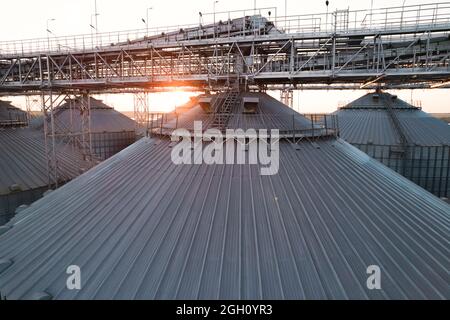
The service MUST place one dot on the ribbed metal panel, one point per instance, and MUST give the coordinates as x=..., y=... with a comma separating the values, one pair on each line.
x=23, y=166
x=424, y=158
x=111, y=130
x=103, y=117
x=10, y=114
x=373, y=126
x=270, y=114
x=107, y=144
x=141, y=227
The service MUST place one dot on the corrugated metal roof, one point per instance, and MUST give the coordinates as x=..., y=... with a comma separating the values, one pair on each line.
x=141, y=227
x=23, y=161
x=362, y=124
x=103, y=117
x=270, y=114
x=375, y=101
x=8, y=112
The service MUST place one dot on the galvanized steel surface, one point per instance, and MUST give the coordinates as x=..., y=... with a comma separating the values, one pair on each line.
x=23, y=168
x=270, y=114
x=103, y=117
x=11, y=115
x=141, y=227
x=365, y=121
x=23, y=161
x=424, y=158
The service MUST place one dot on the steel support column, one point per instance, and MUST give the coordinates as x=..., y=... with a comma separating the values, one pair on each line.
x=287, y=97
x=33, y=104
x=86, y=136
x=141, y=111
x=58, y=135
x=49, y=101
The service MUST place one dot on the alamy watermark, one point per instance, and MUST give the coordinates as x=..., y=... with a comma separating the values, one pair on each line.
x=236, y=146
x=374, y=279
x=73, y=281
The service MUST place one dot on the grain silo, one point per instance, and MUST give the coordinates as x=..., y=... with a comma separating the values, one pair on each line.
x=11, y=116
x=111, y=131
x=23, y=168
x=140, y=226
x=401, y=136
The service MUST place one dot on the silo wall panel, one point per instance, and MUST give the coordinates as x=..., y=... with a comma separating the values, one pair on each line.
x=427, y=166
x=107, y=144
x=10, y=202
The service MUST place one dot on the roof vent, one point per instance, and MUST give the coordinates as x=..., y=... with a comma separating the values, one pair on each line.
x=394, y=97
x=250, y=104
x=42, y=295
x=205, y=103
x=19, y=209
x=3, y=229
x=5, y=264
x=15, y=188
x=46, y=193
x=375, y=96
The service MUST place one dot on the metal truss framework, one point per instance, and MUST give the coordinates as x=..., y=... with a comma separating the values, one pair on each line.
x=340, y=59
x=393, y=53
x=287, y=97
x=59, y=136
x=141, y=110
x=33, y=105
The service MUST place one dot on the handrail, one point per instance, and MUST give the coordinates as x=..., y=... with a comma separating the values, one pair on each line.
x=411, y=17
x=289, y=125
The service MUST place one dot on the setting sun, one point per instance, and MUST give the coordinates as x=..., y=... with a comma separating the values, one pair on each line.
x=168, y=101
x=158, y=102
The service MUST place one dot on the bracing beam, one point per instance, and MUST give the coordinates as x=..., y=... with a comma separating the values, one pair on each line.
x=60, y=136
x=141, y=111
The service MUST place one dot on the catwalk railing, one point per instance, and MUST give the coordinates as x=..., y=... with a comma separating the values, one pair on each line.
x=260, y=50
x=295, y=127
x=244, y=23
x=14, y=120
x=427, y=166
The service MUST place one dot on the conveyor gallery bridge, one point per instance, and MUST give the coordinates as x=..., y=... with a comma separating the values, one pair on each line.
x=400, y=47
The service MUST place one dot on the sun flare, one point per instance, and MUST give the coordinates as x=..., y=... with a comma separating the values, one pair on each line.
x=168, y=101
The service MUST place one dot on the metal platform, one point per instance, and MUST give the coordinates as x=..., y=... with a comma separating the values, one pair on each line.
x=393, y=47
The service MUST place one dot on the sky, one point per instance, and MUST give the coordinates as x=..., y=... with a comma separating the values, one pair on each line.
x=74, y=17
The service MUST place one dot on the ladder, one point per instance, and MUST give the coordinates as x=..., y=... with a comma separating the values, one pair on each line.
x=395, y=122
x=402, y=149
x=225, y=110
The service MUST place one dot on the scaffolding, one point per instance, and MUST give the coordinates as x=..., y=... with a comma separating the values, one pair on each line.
x=287, y=97
x=33, y=107
x=57, y=133
x=390, y=47
x=141, y=111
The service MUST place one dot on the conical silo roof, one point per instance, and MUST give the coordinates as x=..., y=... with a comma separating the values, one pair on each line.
x=111, y=131
x=366, y=120
x=401, y=136
x=11, y=115
x=141, y=227
x=268, y=113
x=103, y=117
x=23, y=159
x=23, y=167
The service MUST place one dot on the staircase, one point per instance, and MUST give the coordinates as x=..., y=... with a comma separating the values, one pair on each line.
x=401, y=150
x=395, y=122
x=225, y=110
